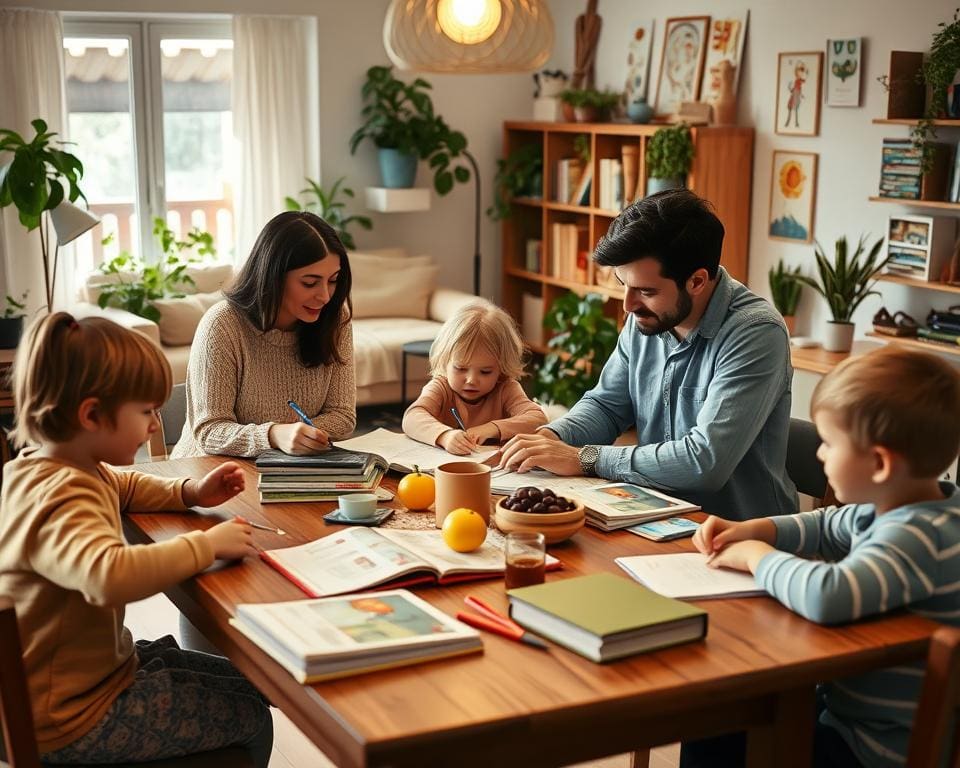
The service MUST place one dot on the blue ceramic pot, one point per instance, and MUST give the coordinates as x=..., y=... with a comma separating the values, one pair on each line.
x=639, y=111
x=398, y=170
x=655, y=184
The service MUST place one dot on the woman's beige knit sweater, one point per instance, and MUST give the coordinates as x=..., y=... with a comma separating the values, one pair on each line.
x=239, y=380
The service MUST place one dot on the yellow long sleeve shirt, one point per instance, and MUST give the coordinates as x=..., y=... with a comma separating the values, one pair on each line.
x=65, y=564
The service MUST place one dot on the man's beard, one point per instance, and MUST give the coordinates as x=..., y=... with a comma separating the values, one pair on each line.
x=669, y=320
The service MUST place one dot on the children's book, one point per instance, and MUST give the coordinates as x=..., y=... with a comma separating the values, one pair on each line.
x=401, y=453
x=620, y=505
x=686, y=576
x=334, y=637
x=666, y=530
x=361, y=558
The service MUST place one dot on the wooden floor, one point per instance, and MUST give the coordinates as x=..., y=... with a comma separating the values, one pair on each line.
x=157, y=616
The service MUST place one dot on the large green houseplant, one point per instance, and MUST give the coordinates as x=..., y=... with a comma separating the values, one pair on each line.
x=518, y=174
x=785, y=292
x=583, y=338
x=38, y=178
x=844, y=283
x=325, y=203
x=399, y=119
x=669, y=158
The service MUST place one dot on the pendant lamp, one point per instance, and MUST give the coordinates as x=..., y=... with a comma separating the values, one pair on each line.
x=468, y=36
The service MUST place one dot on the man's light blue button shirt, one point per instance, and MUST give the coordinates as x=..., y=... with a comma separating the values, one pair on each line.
x=712, y=412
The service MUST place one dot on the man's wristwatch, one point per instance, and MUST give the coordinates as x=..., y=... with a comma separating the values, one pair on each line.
x=588, y=456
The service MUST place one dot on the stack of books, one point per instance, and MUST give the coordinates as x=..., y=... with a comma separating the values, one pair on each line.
x=569, y=173
x=321, y=477
x=621, y=505
x=901, y=171
x=942, y=327
x=611, y=184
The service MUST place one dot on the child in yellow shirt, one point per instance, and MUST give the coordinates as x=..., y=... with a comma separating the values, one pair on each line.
x=475, y=361
x=86, y=395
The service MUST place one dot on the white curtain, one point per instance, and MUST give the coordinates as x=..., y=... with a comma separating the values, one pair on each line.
x=31, y=60
x=275, y=117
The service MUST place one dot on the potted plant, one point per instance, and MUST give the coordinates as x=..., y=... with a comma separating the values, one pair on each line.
x=940, y=70
x=11, y=322
x=38, y=179
x=785, y=292
x=325, y=204
x=583, y=338
x=669, y=158
x=519, y=174
x=845, y=283
x=399, y=119
x=590, y=105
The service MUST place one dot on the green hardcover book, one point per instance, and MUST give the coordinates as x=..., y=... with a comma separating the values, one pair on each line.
x=604, y=616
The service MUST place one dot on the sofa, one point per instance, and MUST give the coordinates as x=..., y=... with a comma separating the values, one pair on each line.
x=395, y=300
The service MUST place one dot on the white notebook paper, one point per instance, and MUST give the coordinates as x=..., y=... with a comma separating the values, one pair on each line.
x=686, y=576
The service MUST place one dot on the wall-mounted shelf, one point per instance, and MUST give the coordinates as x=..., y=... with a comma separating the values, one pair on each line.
x=925, y=346
x=914, y=121
x=818, y=360
x=388, y=200
x=917, y=203
x=911, y=282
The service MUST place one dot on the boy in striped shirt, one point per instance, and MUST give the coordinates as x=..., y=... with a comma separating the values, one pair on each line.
x=890, y=425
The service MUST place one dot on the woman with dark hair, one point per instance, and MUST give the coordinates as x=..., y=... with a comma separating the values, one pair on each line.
x=283, y=333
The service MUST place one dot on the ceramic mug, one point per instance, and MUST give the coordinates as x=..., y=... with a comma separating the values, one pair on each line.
x=462, y=484
x=358, y=506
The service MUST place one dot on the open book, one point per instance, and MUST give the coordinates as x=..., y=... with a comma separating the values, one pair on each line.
x=619, y=505
x=686, y=576
x=402, y=452
x=506, y=481
x=360, y=558
x=321, y=639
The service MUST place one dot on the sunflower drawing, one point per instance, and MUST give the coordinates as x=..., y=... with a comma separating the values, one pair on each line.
x=792, y=179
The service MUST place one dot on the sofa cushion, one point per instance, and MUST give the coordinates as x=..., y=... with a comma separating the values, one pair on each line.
x=393, y=253
x=378, y=342
x=386, y=286
x=179, y=317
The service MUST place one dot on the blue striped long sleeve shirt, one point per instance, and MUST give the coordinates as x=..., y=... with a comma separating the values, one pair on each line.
x=908, y=557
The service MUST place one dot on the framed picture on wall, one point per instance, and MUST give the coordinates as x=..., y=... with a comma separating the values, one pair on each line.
x=798, y=93
x=725, y=41
x=681, y=62
x=638, y=62
x=843, y=72
x=793, y=190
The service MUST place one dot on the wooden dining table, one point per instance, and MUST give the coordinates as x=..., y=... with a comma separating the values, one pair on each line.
x=514, y=705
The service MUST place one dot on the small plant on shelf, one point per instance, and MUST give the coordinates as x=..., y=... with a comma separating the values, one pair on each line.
x=785, y=291
x=670, y=153
x=519, y=174
x=584, y=337
x=325, y=204
x=939, y=70
x=589, y=104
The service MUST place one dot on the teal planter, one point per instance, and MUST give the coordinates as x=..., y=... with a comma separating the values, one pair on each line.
x=655, y=185
x=398, y=170
x=639, y=111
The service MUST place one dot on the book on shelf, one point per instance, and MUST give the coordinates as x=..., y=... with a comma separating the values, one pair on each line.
x=611, y=184
x=605, y=617
x=581, y=194
x=402, y=453
x=531, y=318
x=318, y=640
x=362, y=558
x=569, y=171
x=941, y=337
x=686, y=576
x=619, y=505
x=534, y=251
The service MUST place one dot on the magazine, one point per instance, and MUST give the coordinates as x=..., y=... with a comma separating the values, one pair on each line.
x=620, y=505
x=402, y=452
x=333, y=637
x=360, y=558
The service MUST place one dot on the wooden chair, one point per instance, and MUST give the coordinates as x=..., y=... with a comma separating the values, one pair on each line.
x=19, y=745
x=934, y=729
x=803, y=467
x=173, y=415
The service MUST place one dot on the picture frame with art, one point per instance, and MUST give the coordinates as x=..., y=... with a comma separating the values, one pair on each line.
x=725, y=41
x=681, y=62
x=799, y=81
x=793, y=192
x=637, y=85
x=843, y=73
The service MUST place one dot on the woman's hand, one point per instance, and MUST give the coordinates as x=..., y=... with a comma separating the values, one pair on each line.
x=231, y=540
x=457, y=442
x=298, y=439
x=715, y=533
x=216, y=487
x=479, y=435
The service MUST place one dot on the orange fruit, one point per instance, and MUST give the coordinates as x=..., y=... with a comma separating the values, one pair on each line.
x=464, y=530
x=416, y=490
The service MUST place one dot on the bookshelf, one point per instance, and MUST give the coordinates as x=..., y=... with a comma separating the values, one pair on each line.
x=921, y=344
x=721, y=173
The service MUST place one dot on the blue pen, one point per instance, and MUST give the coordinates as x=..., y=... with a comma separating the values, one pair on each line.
x=459, y=421
x=299, y=411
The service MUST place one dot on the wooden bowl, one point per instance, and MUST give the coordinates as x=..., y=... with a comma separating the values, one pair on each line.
x=555, y=526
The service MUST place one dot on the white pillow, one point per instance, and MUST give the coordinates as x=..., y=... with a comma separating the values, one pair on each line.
x=179, y=318
x=385, y=286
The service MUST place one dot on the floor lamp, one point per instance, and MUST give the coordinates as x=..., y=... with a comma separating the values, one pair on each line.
x=476, y=224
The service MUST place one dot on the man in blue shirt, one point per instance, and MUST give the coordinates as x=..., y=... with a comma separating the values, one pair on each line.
x=702, y=370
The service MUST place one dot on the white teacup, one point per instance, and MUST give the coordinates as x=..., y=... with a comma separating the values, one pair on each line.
x=358, y=506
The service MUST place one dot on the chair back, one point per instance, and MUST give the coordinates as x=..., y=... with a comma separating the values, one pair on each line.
x=173, y=415
x=803, y=467
x=934, y=731
x=19, y=746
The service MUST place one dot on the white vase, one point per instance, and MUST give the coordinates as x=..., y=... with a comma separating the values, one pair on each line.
x=838, y=337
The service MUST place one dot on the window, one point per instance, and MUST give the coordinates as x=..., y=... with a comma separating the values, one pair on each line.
x=148, y=106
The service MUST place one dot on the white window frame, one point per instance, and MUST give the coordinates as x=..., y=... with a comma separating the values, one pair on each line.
x=143, y=35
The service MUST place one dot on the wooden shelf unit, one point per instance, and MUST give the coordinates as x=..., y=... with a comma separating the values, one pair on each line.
x=913, y=283
x=916, y=343
x=912, y=121
x=722, y=173
x=942, y=204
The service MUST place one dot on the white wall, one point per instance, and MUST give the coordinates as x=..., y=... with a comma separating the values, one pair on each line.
x=848, y=144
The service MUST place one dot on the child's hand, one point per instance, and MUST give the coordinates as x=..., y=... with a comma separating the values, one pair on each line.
x=231, y=540
x=218, y=486
x=456, y=442
x=715, y=533
x=479, y=435
x=298, y=439
x=740, y=555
